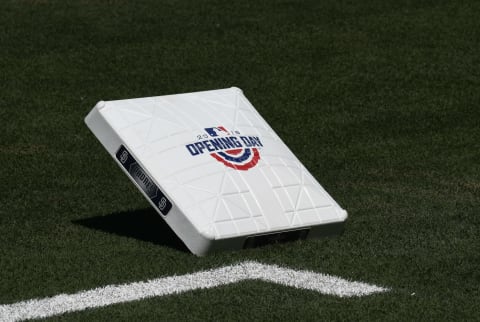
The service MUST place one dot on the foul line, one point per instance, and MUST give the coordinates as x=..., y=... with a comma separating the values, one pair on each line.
x=112, y=294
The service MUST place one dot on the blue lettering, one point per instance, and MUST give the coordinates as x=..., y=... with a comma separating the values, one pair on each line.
x=191, y=148
x=255, y=141
x=208, y=145
x=246, y=141
x=223, y=143
x=199, y=146
x=217, y=144
x=236, y=142
x=227, y=143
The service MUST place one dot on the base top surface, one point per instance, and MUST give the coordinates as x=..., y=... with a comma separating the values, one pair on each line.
x=219, y=162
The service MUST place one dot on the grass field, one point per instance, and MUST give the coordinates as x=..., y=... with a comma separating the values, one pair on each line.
x=379, y=99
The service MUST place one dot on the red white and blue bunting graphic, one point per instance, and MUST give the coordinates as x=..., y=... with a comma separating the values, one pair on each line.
x=239, y=159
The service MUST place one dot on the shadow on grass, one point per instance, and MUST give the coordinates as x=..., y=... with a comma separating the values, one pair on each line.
x=142, y=224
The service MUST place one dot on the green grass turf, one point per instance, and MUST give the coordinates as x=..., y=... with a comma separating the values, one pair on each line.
x=379, y=99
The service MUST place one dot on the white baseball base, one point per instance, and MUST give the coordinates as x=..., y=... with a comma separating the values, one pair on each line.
x=215, y=170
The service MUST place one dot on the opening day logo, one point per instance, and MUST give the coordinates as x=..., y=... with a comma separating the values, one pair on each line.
x=228, y=147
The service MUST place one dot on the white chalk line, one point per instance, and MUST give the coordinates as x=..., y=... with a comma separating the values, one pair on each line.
x=113, y=294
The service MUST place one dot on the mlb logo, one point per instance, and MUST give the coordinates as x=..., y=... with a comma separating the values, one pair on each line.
x=214, y=170
x=213, y=131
